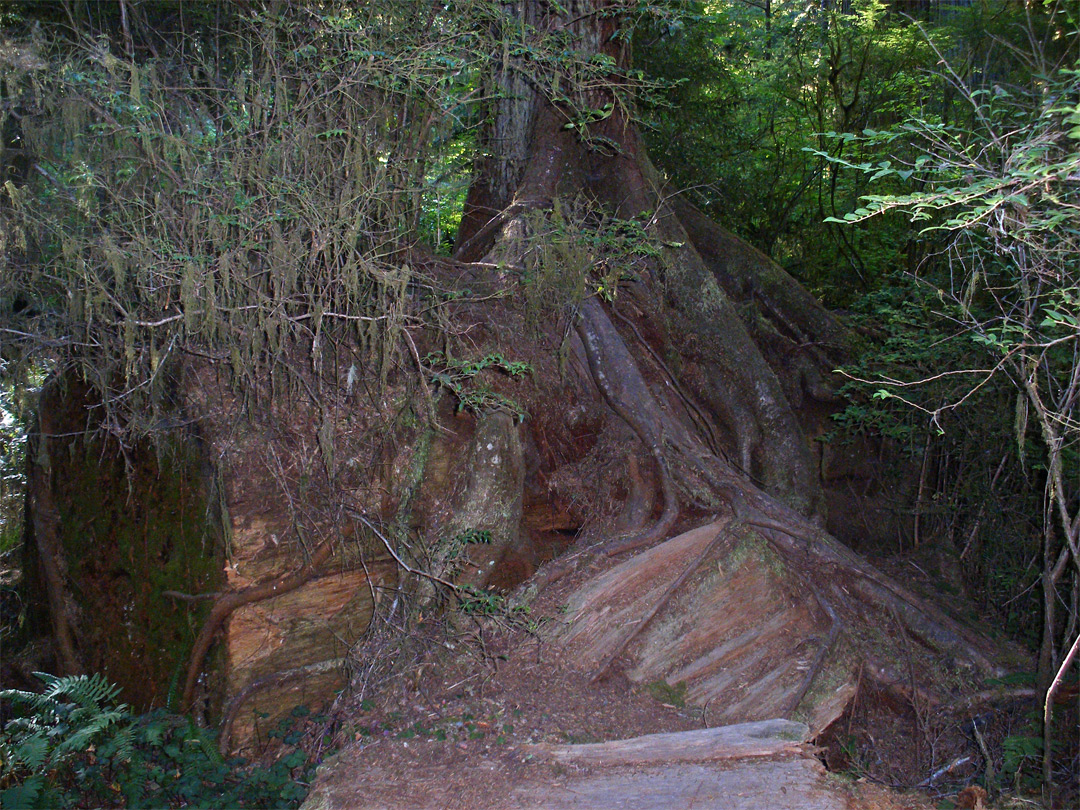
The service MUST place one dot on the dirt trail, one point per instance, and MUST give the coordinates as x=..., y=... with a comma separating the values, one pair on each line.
x=710, y=768
x=502, y=717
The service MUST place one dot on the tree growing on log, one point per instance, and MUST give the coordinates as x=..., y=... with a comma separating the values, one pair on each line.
x=677, y=359
x=753, y=349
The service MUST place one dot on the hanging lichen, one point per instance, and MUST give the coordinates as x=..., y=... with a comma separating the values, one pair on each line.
x=239, y=219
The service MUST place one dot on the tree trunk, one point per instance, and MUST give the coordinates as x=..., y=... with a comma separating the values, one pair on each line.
x=736, y=382
x=735, y=348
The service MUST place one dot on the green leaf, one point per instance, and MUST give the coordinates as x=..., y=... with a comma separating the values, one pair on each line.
x=295, y=759
x=24, y=796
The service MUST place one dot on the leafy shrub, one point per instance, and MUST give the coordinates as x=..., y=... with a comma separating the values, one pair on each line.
x=1021, y=759
x=73, y=746
x=459, y=377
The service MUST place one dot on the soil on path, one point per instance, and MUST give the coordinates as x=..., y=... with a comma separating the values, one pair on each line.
x=469, y=725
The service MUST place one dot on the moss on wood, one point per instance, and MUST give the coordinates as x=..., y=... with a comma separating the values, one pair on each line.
x=133, y=524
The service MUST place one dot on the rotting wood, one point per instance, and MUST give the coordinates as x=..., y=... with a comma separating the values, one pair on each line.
x=727, y=635
x=764, y=738
x=792, y=780
x=296, y=633
x=224, y=606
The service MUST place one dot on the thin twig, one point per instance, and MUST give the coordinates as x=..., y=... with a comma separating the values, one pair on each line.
x=404, y=565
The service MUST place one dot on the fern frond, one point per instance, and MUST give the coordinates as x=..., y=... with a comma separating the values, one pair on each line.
x=24, y=795
x=88, y=691
x=30, y=753
x=38, y=704
x=124, y=743
x=83, y=735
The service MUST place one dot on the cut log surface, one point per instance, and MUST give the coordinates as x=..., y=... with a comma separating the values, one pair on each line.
x=750, y=766
x=789, y=784
x=761, y=739
x=734, y=635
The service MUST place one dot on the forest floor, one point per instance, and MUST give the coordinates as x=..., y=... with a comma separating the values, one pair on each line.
x=473, y=723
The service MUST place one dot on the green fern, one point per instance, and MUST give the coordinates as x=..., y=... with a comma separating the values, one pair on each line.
x=72, y=714
x=72, y=746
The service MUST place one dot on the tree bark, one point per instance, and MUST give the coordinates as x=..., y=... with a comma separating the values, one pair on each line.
x=733, y=321
x=45, y=527
x=737, y=383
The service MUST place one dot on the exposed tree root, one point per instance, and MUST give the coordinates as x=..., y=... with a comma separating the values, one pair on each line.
x=276, y=679
x=701, y=422
x=690, y=469
x=606, y=359
x=638, y=506
x=659, y=529
x=747, y=275
x=793, y=536
x=798, y=539
x=229, y=602
x=836, y=625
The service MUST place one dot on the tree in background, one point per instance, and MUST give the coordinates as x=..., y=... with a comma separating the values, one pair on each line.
x=997, y=189
x=762, y=89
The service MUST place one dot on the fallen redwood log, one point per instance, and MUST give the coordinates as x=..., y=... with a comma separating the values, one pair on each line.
x=789, y=783
x=765, y=738
x=743, y=767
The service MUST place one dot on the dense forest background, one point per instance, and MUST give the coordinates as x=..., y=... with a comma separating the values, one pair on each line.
x=250, y=182
x=945, y=110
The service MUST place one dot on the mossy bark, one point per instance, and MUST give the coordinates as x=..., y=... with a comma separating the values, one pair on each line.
x=118, y=528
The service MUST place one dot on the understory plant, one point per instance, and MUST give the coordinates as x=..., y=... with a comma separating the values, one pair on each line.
x=998, y=192
x=72, y=745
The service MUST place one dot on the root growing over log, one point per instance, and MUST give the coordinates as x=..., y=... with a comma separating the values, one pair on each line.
x=229, y=602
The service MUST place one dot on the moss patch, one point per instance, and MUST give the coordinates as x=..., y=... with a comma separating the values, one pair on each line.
x=668, y=694
x=133, y=525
